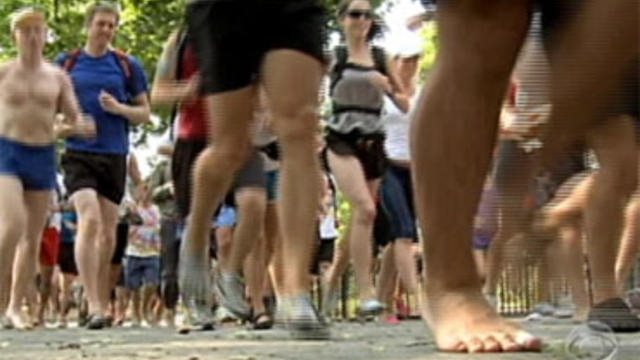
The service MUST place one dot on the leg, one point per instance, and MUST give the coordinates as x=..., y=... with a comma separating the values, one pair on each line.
x=387, y=278
x=480, y=259
x=13, y=225
x=37, y=207
x=448, y=186
x=573, y=257
x=66, y=280
x=46, y=277
x=224, y=239
x=106, y=247
x=512, y=179
x=232, y=112
x=406, y=264
x=86, y=250
x=586, y=66
x=629, y=246
x=252, y=204
x=292, y=82
x=350, y=179
x=614, y=144
x=169, y=252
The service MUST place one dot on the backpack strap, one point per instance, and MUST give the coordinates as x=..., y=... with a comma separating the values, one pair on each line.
x=71, y=60
x=124, y=62
x=341, y=57
x=380, y=60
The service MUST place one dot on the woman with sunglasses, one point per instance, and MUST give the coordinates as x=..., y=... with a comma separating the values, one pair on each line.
x=359, y=83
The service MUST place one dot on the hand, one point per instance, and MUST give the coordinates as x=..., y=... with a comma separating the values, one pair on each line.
x=381, y=82
x=109, y=103
x=85, y=127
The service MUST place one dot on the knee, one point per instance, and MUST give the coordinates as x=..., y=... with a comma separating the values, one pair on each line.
x=252, y=202
x=296, y=123
x=365, y=213
x=89, y=221
x=228, y=155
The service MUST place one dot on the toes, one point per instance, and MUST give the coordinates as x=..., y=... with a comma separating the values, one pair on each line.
x=474, y=345
x=491, y=344
x=527, y=341
x=507, y=343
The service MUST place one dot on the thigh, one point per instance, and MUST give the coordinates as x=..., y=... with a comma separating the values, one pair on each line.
x=109, y=217
x=292, y=83
x=37, y=207
x=227, y=41
x=350, y=179
x=12, y=209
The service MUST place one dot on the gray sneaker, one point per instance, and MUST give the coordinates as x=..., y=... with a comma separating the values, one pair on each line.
x=230, y=291
x=544, y=309
x=198, y=316
x=329, y=302
x=301, y=318
x=5, y=323
x=370, y=307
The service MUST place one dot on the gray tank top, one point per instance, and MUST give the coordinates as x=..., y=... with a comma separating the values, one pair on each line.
x=357, y=103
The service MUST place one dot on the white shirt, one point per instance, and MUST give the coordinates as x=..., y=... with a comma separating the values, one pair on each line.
x=397, y=125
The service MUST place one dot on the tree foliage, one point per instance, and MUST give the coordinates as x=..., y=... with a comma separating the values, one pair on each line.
x=144, y=27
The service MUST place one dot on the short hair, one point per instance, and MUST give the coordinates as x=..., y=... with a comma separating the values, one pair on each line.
x=101, y=7
x=25, y=13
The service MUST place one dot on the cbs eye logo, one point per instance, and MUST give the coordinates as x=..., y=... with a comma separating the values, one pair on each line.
x=592, y=341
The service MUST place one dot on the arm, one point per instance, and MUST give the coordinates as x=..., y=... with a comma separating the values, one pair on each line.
x=138, y=112
x=398, y=95
x=134, y=170
x=166, y=89
x=72, y=124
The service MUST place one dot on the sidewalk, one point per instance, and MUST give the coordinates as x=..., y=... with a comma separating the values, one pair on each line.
x=352, y=341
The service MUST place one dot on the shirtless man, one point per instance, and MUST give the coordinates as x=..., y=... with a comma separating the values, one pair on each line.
x=31, y=92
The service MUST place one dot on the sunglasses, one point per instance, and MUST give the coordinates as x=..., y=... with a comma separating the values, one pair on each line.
x=359, y=14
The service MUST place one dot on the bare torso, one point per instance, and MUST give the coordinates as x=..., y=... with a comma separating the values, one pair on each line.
x=29, y=101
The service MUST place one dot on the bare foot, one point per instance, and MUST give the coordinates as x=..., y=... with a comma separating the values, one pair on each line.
x=463, y=321
x=19, y=321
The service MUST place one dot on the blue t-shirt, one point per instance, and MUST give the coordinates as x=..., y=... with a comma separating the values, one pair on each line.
x=67, y=235
x=91, y=75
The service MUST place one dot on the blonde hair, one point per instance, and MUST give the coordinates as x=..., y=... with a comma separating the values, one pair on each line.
x=23, y=14
x=101, y=7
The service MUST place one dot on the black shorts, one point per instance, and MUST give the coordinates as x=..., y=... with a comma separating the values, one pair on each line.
x=184, y=156
x=66, y=259
x=231, y=37
x=368, y=149
x=105, y=173
x=556, y=16
x=122, y=239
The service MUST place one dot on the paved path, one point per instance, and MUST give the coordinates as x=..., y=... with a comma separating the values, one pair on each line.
x=352, y=341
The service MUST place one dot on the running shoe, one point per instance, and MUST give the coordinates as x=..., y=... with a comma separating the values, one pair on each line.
x=370, y=307
x=302, y=319
x=230, y=291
